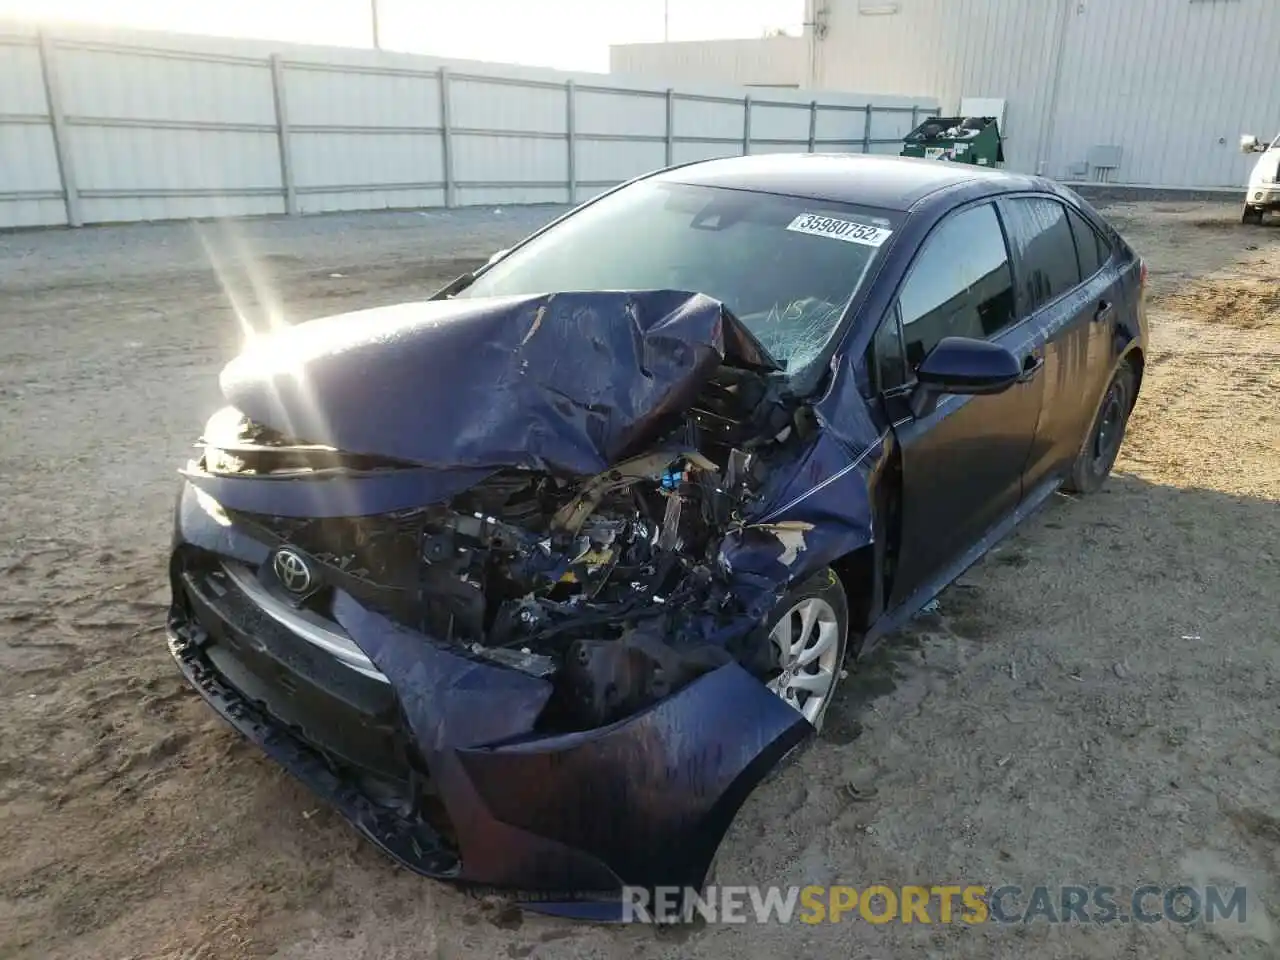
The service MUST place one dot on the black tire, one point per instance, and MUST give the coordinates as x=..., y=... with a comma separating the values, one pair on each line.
x=1252, y=215
x=826, y=588
x=1106, y=434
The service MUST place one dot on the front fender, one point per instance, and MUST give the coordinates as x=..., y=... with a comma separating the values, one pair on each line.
x=644, y=802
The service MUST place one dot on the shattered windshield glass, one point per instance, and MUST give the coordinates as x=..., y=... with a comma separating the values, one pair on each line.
x=785, y=266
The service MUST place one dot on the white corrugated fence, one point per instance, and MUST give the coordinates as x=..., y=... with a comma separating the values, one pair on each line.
x=101, y=125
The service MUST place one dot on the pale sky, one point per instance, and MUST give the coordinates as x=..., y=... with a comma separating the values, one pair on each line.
x=569, y=34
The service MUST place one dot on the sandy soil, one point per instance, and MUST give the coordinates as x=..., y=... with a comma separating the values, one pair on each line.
x=1097, y=702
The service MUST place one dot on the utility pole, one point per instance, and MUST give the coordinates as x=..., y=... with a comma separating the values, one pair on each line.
x=373, y=10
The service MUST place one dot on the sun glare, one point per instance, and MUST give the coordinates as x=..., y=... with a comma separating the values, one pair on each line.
x=564, y=34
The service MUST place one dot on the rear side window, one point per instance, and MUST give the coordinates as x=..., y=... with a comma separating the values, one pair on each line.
x=1089, y=245
x=1103, y=236
x=960, y=284
x=1105, y=249
x=1044, y=250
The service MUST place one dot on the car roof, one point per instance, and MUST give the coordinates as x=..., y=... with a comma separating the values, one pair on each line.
x=891, y=183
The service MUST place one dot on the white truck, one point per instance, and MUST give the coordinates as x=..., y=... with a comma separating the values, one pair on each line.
x=1264, y=182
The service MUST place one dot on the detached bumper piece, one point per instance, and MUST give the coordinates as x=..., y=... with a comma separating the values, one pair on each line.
x=560, y=823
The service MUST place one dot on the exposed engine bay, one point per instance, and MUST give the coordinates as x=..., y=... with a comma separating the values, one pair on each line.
x=594, y=583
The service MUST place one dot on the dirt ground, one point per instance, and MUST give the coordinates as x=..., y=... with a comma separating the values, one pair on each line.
x=1098, y=702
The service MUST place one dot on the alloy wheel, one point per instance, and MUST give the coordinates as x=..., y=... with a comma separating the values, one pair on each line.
x=807, y=641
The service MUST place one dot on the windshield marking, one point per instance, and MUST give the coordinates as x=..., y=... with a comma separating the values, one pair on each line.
x=850, y=231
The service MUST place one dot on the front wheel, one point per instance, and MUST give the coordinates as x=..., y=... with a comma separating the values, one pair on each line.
x=1251, y=215
x=809, y=631
x=1102, y=445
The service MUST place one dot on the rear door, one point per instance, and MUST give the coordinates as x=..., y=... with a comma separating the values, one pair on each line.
x=1107, y=302
x=1067, y=295
x=962, y=463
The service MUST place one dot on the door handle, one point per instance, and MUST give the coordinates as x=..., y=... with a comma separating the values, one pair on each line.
x=1031, y=366
x=1105, y=309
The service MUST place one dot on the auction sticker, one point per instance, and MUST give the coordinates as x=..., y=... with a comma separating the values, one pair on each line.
x=847, y=230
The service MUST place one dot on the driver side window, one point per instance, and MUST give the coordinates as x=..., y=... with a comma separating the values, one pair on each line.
x=960, y=284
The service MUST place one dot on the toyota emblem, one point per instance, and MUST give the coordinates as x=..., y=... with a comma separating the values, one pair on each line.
x=292, y=571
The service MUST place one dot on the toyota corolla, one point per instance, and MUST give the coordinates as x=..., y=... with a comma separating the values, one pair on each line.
x=536, y=579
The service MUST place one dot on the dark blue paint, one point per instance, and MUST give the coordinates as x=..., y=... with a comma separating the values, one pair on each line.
x=651, y=796
x=892, y=183
x=966, y=366
x=349, y=496
x=448, y=699
x=573, y=382
x=644, y=801
x=193, y=524
x=843, y=411
x=500, y=382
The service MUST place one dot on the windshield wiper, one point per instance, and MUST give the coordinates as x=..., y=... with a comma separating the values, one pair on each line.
x=454, y=286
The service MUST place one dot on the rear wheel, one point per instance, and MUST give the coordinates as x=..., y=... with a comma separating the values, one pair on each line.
x=1102, y=445
x=809, y=632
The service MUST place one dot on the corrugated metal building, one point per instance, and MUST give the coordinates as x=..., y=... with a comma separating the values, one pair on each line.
x=1137, y=92
x=777, y=61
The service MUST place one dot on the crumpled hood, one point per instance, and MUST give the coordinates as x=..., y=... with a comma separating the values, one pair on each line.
x=571, y=381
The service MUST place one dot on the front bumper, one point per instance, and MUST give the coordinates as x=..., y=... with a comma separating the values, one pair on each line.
x=409, y=840
x=561, y=821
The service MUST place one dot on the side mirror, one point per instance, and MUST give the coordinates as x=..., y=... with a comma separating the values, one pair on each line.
x=1249, y=144
x=965, y=366
x=496, y=257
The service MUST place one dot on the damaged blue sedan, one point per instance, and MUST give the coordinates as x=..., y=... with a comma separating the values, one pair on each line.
x=535, y=580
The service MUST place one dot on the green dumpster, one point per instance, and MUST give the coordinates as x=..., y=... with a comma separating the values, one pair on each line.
x=957, y=139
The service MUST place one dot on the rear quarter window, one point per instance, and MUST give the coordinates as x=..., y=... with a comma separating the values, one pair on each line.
x=1105, y=236
x=1091, y=249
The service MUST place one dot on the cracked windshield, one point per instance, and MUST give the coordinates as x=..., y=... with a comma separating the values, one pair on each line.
x=785, y=266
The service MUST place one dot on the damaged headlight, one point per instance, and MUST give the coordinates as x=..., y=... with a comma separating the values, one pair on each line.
x=217, y=460
x=226, y=437
x=234, y=445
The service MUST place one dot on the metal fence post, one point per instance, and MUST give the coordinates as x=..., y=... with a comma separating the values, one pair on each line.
x=569, y=126
x=671, y=126
x=813, y=125
x=866, y=131
x=61, y=139
x=446, y=138
x=746, y=124
x=282, y=136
